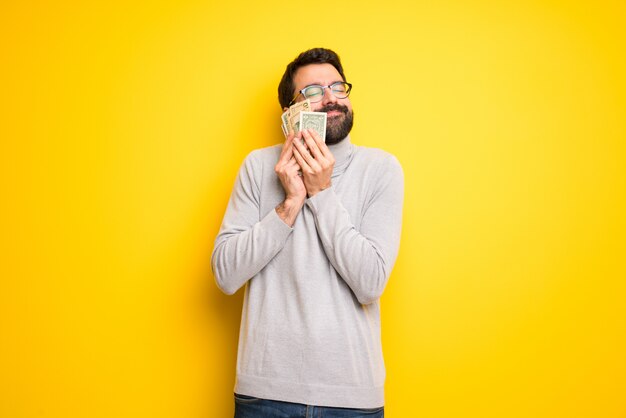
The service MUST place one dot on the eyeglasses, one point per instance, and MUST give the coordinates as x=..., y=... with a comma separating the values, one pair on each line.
x=315, y=93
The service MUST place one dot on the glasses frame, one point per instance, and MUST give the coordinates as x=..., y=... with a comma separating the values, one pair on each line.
x=301, y=92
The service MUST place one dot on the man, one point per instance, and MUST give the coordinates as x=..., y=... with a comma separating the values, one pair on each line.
x=312, y=230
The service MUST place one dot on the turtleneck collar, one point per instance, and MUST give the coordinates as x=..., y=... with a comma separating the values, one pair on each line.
x=342, y=151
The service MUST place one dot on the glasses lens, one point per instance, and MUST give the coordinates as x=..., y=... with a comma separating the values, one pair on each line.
x=313, y=93
x=340, y=90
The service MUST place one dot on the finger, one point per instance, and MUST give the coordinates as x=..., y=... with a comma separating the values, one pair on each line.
x=308, y=158
x=286, y=153
x=292, y=163
x=321, y=145
x=300, y=159
x=313, y=147
x=285, y=147
x=304, y=153
x=294, y=171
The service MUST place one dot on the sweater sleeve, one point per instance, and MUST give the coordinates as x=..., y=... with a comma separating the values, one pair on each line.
x=363, y=258
x=246, y=243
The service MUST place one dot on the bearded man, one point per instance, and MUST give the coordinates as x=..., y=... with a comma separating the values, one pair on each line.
x=312, y=230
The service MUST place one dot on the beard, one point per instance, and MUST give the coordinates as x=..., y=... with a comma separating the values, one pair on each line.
x=337, y=127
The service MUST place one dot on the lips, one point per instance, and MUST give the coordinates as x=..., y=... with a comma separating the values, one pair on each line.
x=334, y=113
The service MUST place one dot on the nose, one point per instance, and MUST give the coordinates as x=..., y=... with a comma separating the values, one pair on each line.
x=329, y=97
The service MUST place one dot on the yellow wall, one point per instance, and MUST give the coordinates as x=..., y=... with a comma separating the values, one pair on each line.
x=123, y=126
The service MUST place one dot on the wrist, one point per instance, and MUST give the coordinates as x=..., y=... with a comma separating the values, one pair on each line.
x=313, y=192
x=289, y=208
x=294, y=200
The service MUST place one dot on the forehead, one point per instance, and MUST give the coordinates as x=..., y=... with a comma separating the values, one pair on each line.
x=323, y=74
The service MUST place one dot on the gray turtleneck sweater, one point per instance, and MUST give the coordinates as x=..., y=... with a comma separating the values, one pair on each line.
x=310, y=325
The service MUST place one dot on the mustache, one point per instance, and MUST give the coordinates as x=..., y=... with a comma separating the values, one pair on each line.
x=334, y=106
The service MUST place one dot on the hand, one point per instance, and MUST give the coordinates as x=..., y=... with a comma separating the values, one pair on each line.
x=295, y=192
x=317, y=162
x=287, y=171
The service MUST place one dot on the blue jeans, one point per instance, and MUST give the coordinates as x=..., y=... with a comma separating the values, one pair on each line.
x=249, y=407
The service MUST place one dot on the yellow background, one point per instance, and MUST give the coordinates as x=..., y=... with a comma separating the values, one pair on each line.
x=123, y=125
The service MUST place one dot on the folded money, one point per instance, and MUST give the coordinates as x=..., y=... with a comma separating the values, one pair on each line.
x=291, y=117
x=299, y=116
x=294, y=113
x=315, y=121
x=285, y=125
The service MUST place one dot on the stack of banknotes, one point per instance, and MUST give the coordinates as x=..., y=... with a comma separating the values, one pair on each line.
x=299, y=116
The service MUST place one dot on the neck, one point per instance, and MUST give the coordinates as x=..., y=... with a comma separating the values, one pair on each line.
x=342, y=151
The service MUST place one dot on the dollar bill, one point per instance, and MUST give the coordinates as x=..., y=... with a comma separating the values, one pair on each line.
x=294, y=122
x=315, y=121
x=286, y=125
x=300, y=107
x=291, y=117
x=294, y=114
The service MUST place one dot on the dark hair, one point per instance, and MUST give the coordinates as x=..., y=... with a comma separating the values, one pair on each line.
x=312, y=56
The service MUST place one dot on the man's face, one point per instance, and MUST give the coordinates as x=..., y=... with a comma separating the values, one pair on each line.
x=339, y=111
